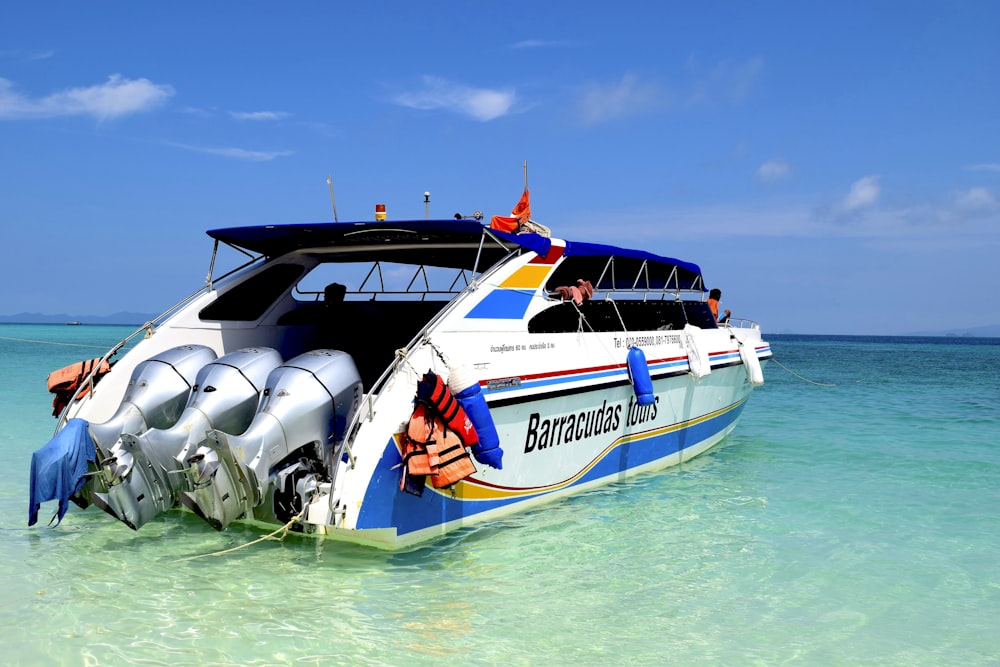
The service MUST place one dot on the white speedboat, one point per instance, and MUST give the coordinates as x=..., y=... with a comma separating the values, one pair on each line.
x=387, y=382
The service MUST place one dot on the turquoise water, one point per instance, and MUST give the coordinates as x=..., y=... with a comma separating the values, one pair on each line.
x=843, y=525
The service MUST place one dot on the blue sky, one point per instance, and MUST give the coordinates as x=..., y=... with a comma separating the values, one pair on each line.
x=834, y=167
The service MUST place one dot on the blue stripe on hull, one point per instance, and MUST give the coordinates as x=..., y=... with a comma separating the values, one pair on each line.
x=385, y=506
x=503, y=304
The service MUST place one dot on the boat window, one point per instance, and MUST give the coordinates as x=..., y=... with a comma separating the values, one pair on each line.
x=630, y=294
x=623, y=315
x=378, y=280
x=623, y=274
x=250, y=299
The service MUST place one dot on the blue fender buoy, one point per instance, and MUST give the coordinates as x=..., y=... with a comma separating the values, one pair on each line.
x=638, y=373
x=466, y=389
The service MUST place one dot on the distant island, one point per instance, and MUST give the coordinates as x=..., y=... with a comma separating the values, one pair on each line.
x=989, y=331
x=126, y=318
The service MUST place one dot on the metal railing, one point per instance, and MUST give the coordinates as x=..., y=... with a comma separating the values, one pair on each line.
x=146, y=330
x=741, y=323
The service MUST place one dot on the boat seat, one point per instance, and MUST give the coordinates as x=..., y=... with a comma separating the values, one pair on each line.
x=700, y=314
x=316, y=312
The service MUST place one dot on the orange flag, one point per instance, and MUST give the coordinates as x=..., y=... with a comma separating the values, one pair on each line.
x=503, y=224
x=520, y=214
x=523, y=209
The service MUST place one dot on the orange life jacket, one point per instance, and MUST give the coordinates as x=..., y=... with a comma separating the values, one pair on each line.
x=455, y=462
x=431, y=449
x=420, y=449
x=64, y=382
x=433, y=390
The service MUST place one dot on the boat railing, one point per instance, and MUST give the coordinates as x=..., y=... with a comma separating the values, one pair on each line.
x=149, y=327
x=311, y=296
x=742, y=323
x=146, y=330
x=416, y=287
x=640, y=294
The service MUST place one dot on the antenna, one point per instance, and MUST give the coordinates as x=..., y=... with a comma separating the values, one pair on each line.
x=525, y=174
x=427, y=205
x=333, y=202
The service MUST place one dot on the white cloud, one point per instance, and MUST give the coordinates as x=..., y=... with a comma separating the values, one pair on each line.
x=864, y=193
x=628, y=97
x=540, y=44
x=236, y=153
x=26, y=55
x=726, y=81
x=259, y=115
x=989, y=166
x=116, y=97
x=483, y=104
x=976, y=200
x=918, y=223
x=773, y=170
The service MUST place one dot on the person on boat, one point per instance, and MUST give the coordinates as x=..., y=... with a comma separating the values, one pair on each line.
x=714, y=296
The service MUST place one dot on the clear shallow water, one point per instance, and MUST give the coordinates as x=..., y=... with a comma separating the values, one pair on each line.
x=854, y=524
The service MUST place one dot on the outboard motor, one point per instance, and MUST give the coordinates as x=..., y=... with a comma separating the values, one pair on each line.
x=156, y=394
x=145, y=472
x=307, y=404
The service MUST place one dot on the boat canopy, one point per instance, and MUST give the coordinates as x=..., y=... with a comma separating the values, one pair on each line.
x=451, y=244
x=444, y=243
x=619, y=268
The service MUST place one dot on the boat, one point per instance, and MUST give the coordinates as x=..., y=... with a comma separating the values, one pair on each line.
x=386, y=382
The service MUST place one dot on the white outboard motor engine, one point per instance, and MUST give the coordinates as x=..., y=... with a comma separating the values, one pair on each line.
x=307, y=404
x=156, y=395
x=145, y=472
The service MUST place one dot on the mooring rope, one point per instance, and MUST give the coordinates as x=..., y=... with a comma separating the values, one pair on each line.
x=804, y=379
x=608, y=298
x=52, y=342
x=270, y=536
x=437, y=351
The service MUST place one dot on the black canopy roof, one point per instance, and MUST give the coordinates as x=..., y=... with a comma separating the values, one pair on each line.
x=444, y=243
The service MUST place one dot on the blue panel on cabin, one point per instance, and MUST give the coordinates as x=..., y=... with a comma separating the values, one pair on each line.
x=502, y=304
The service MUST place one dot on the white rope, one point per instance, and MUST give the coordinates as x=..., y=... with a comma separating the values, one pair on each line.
x=270, y=536
x=402, y=359
x=791, y=372
x=608, y=298
x=583, y=320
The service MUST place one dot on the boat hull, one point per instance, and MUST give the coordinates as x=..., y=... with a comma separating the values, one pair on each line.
x=555, y=445
x=574, y=387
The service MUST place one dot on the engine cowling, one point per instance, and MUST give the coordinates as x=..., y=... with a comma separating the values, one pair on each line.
x=308, y=402
x=145, y=472
x=156, y=394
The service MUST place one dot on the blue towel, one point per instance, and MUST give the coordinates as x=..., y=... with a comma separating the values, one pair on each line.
x=58, y=468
